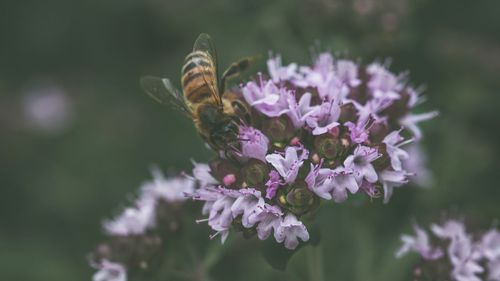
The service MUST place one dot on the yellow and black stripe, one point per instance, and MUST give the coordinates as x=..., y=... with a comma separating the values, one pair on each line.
x=197, y=72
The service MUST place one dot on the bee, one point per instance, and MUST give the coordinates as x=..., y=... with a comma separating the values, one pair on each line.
x=216, y=115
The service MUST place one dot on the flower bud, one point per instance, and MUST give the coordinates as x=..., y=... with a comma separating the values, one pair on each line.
x=348, y=113
x=221, y=168
x=327, y=146
x=255, y=172
x=278, y=129
x=384, y=161
x=378, y=132
x=298, y=199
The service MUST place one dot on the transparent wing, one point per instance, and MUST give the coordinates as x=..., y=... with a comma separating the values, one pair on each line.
x=204, y=44
x=162, y=90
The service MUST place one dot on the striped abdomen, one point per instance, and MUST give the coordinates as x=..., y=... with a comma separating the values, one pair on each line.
x=198, y=71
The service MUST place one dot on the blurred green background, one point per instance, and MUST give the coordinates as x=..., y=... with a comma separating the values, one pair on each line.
x=77, y=134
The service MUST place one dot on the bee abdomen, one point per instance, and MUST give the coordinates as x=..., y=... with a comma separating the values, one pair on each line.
x=197, y=72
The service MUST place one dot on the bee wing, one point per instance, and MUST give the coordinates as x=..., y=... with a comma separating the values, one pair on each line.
x=204, y=44
x=162, y=90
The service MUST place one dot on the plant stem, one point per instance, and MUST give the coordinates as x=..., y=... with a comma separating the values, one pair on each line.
x=315, y=263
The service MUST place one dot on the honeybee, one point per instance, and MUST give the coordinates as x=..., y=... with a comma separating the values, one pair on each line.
x=216, y=115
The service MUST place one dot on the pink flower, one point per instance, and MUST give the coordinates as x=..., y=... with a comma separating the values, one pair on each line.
x=290, y=230
x=289, y=165
x=383, y=84
x=279, y=72
x=360, y=163
x=391, y=179
x=254, y=143
x=273, y=184
x=393, y=142
x=246, y=205
x=357, y=132
x=109, y=271
x=410, y=122
x=133, y=220
x=420, y=244
x=266, y=97
x=347, y=71
x=268, y=218
x=201, y=172
x=324, y=118
x=301, y=110
x=168, y=189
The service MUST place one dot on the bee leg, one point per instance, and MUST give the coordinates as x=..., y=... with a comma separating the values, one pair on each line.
x=235, y=69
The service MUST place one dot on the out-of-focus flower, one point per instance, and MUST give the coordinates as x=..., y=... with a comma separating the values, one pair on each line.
x=168, y=189
x=133, y=220
x=109, y=271
x=416, y=163
x=466, y=258
x=137, y=219
x=420, y=244
x=47, y=108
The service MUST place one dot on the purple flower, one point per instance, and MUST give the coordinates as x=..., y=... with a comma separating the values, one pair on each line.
x=324, y=118
x=316, y=181
x=133, y=220
x=273, y=184
x=266, y=97
x=347, y=71
x=109, y=271
x=410, y=122
x=450, y=230
x=201, y=172
x=360, y=163
x=357, y=132
x=170, y=190
x=254, y=143
x=494, y=270
x=420, y=244
x=416, y=164
x=246, y=204
x=279, y=72
x=393, y=142
x=288, y=166
x=301, y=110
x=290, y=230
x=342, y=180
x=370, y=189
x=490, y=245
x=465, y=259
x=267, y=217
x=391, y=179
x=220, y=216
x=320, y=74
x=383, y=84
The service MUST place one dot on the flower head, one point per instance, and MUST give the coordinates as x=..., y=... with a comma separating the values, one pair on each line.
x=325, y=131
x=467, y=259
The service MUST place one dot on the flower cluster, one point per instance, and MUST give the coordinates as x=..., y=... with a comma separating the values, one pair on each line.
x=138, y=232
x=316, y=132
x=456, y=253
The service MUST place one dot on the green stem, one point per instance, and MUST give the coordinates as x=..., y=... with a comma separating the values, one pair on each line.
x=315, y=263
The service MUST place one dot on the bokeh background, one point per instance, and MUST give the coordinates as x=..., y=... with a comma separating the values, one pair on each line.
x=77, y=134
